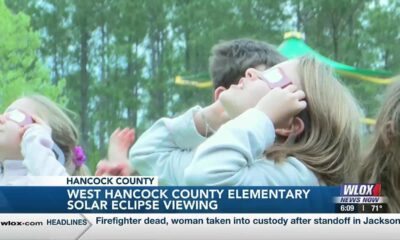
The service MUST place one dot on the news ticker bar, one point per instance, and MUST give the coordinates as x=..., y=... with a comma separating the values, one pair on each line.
x=199, y=226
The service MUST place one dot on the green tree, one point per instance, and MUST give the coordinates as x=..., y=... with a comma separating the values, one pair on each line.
x=119, y=58
x=339, y=30
x=21, y=70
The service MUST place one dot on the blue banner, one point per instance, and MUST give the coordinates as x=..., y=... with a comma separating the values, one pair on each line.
x=168, y=199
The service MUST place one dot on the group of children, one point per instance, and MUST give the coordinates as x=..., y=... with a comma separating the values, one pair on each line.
x=273, y=122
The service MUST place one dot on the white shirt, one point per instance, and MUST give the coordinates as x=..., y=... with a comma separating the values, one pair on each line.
x=167, y=148
x=233, y=156
x=39, y=159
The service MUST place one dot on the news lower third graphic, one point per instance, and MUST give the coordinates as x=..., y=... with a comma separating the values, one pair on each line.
x=360, y=198
x=122, y=207
x=142, y=195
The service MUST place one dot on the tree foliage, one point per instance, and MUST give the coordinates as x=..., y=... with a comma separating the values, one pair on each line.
x=21, y=70
x=119, y=58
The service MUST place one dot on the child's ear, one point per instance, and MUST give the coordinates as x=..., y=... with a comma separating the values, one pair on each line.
x=296, y=128
x=218, y=92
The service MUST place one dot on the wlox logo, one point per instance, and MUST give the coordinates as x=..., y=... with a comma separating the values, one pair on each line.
x=10, y=223
x=15, y=223
x=360, y=190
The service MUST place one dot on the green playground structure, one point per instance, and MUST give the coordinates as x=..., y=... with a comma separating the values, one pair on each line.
x=294, y=46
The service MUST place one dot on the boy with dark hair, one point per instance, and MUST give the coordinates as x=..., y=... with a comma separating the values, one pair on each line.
x=230, y=60
x=167, y=148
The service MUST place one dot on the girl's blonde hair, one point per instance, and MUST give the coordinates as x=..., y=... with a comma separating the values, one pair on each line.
x=381, y=163
x=63, y=131
x=330, y=142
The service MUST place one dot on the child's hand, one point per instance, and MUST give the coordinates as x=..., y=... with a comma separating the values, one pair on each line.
x=280, y=105
x=117, y=163
x=36, y=121
x=120, y=142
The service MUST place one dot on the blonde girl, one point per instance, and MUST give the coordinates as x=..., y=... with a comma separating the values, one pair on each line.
x=293, y=124
x=381, y=163
x=37, y=138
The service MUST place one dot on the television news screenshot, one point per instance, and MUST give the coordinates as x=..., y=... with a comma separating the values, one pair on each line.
x=199, y=119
